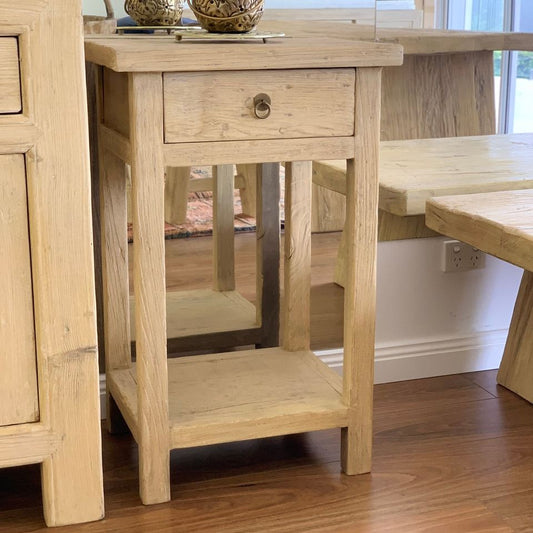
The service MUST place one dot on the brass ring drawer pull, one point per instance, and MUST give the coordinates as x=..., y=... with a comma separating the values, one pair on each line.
x=262, y=106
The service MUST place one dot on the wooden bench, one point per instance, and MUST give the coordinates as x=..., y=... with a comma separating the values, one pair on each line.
x=501, y=224
x=411, y=172
x=445, y=88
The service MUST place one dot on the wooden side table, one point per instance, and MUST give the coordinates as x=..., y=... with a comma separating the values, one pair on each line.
x=324, y=105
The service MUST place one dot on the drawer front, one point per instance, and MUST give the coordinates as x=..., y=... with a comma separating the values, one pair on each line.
x=10, y=99
x=18, y=373
x=219, y=106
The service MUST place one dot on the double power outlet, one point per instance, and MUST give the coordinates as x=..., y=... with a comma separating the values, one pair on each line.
x=458, y=256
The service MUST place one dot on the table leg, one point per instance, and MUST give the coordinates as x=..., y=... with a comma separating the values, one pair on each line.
x=223, y=228
x=297, y=293
x=360, y=280
x=176, y=194
x=516, y=369
x=268, y=253
x=148, y=189
x=115, y=287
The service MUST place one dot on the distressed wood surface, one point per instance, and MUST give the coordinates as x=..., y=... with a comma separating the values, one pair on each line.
x=516, y=368
x=51, y=138
x=146, y=110
x=360, y=274
x=10, y=101
x=163, y=54
x=223, y=228
x=413, y=171
x=452, y=453
x=413, y=40
x=499, y=223
x=305, y=103
x=18, y=366
x=297, y=259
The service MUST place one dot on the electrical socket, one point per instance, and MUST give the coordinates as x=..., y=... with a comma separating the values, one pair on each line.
x=458, y=256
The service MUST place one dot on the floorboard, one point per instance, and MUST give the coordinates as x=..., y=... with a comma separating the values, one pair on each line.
x=451, y=454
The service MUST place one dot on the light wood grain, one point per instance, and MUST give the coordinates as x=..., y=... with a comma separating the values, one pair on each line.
x=305, y=103
x=499, y=223
x=177, y=186
x=278, y=393
x=225, y=152
x=114, y=260
x=223, y=228
x=412, y=171
x=24, y=444
x=296, y=301
x=155, y=54
x=413, y=40
x=10, y=102
x=453, y=96
x=58, y=191
x=18, y=365
x=148, y=187
x=516, y=368
x=359, y=294
x=205, y=311
x=448, y=456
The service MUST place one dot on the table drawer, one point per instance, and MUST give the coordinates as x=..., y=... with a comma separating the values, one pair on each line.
x=10, y=99
x=219, y=106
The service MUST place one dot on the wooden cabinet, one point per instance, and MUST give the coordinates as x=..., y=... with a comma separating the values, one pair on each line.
x=49, y=401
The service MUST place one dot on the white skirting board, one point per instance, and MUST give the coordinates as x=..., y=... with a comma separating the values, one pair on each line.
x=419, y=359
x=432, y=357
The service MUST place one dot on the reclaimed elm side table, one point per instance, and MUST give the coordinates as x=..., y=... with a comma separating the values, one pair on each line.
x=324, y=105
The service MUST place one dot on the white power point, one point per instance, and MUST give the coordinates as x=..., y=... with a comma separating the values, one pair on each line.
x=458, y=256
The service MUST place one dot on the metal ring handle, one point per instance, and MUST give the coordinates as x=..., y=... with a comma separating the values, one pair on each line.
x=262, y=106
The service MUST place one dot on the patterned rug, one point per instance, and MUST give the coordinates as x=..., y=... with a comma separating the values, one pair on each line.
x=200, y=212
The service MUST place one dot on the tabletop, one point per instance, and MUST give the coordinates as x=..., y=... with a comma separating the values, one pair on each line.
x=131, y=53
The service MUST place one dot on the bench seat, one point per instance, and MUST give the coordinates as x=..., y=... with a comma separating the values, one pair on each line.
x=499, y=223
x=413, y=171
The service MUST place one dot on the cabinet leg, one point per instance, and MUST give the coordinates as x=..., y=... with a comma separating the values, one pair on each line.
x=72, y=477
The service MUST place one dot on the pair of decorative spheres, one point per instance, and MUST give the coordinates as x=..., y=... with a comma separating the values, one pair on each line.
x=219, y=16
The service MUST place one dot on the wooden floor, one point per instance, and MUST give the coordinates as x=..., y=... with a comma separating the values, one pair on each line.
x=451, y=454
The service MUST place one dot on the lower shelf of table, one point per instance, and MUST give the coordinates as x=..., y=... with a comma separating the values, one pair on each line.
x=241, y=395
x=203, y=318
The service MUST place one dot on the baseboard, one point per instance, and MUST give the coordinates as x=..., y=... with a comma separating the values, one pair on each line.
x=419, y=359
x=429, y=358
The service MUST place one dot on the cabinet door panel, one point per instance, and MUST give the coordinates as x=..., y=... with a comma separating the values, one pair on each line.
x=18, y=375
x=10, y=101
